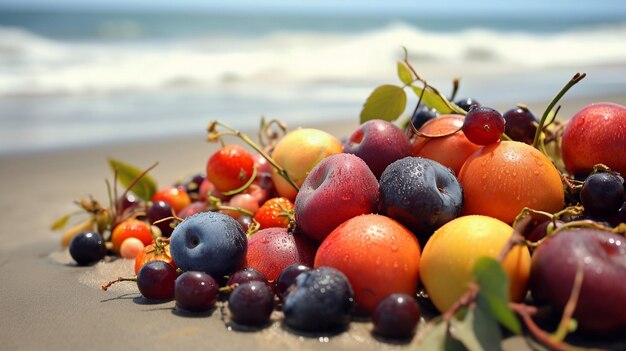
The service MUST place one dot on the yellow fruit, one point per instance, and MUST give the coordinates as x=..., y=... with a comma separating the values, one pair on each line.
x=297, y=153
x=449, y=256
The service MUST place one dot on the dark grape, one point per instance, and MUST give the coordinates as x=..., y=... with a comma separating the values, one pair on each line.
x=192, y=186
x=156, y=280
x=128, y=202
x=246, y=275
x=396, y=316
x=422, y=115
x=159, y=210
x=520, y=124
x=467, y=103
x=195, y=291
x=483, y=125
x=287, y=277
x=87, y=248
x=602, y=194
x=251, y=303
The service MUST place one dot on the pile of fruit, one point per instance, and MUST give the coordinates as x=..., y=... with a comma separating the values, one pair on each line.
x=490, y=224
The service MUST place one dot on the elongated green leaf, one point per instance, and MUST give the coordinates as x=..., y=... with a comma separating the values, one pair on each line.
x=145, y=187
x=494, y=292
x=386, y=102
x=404, y=74
x=478, y=331
x=437, y=101
x=60, y=222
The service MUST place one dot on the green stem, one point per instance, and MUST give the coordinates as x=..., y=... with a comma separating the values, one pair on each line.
x=577, y=78
x=253, y=145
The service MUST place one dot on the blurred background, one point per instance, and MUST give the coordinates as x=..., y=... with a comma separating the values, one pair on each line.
x=78, y=73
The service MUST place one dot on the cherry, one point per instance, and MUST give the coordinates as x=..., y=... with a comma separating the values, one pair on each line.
x=483, y=125
x=521, y=124
x=175, y=196
x=396, y=316
x=251, y=303
x=195, y=291
x=156, y=280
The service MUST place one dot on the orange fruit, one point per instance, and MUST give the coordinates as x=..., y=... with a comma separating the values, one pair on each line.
x=451, y=150
x=500, y=179
x=131, y=228
x=449, y=255
x=378, y=255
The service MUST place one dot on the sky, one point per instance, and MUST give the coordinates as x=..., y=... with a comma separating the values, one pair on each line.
x=615, y=8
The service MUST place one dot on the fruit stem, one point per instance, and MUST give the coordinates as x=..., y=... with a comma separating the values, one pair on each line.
x=526, y=312
x=245, y=186
x=218, y=204
x=577, y=78
x=466, y=299
x=214, y=136
x=120, y=279
x=455, y=88
x=570, y=307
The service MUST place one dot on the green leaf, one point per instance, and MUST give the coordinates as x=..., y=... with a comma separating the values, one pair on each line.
x=60, y=222
x=386, y=102
x=404, y=74
x=434, y=336
x=434, y=99
x=478, y=331
x=145, y=187
x=494, y=292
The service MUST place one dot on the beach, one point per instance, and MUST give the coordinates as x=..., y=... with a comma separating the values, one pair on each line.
x=49, y=303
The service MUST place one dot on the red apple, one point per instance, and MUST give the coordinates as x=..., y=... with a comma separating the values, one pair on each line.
x=379, y=143
x=601, y=306
x=596, y=134
x=340, y=187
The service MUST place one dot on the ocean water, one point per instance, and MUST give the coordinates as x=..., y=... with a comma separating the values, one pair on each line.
x=71, y=79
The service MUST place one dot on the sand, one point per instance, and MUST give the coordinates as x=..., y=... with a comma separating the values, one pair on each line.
x=48, y=303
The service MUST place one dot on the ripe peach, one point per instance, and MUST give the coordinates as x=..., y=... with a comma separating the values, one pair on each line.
x=452, y=150
x=500, y=179
x=297, y=153
x=131, y=228
x=377, y=254
x=450, y=253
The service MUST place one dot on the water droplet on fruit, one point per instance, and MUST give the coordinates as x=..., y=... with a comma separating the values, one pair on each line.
x=324, y=339
x=514, y=174
x=394, y=247
x=483, y=162
x=485, y=176
x=535, y=172
x=346, y=197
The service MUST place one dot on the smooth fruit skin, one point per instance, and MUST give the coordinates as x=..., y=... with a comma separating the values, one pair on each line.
x=176, y=197
x=602, y=301
x=209, y=242
x=378, y=143
x=297, y=153
x=377, y=254
x=87, y=248
x=131, y=228
x=499, y=180
x=451, y=150
x=449, y=256
x=271, y=250
x=230, y=168
x=596, y=134
x=343, y=183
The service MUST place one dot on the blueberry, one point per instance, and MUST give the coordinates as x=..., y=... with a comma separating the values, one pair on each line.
x=603, y=194
x=87, y=248
x=209, y=242
x=320, y=300
x=421, y=194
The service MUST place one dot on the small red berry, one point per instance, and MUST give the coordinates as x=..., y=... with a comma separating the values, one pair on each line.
x=230, y=168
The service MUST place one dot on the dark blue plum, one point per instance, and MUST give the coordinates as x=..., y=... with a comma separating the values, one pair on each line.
x=421, y=194
x=320, y=300
x=87, y=248
x=209, y=242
